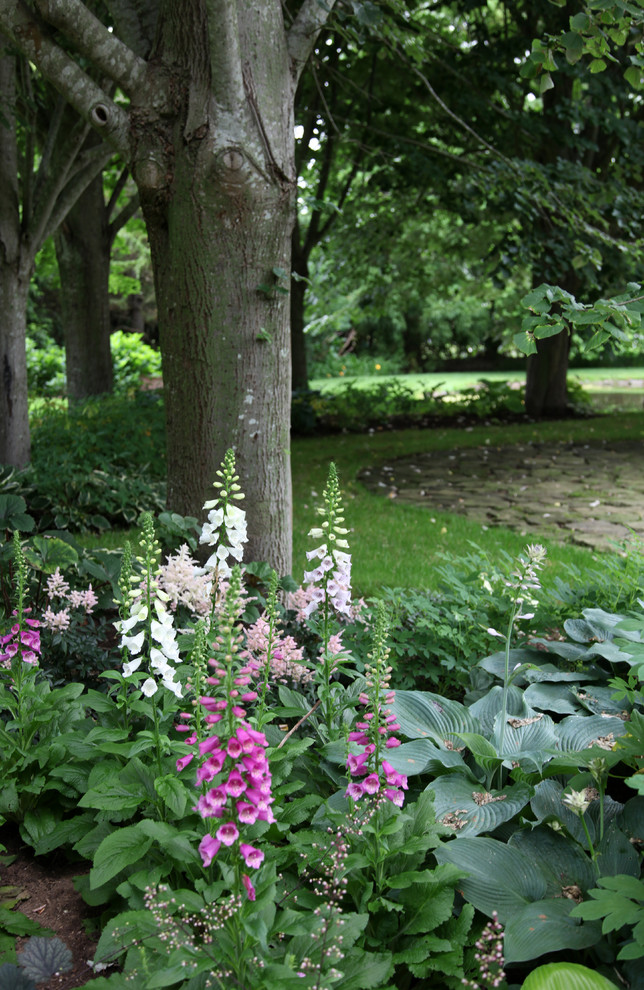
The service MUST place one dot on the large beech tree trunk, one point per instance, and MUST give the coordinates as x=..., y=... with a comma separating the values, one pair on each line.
x=299, y=265
x=83, y=255
x=208, y=136
x=218, y=199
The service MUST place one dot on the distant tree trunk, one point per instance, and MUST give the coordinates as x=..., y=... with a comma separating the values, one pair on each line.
x=299, y=265
x=15, y=274
x=547, y=373
x=546, y=392
x=83, y=254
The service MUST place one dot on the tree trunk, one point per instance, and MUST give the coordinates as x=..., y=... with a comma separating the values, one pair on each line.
x=298, y=341
x=83, y=254
x=15, y=274
x=546, y=391
x=15, y=446
x=217, y=188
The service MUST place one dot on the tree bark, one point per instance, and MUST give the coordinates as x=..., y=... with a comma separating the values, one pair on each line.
x=546, y=392
x=15, y=274
x=299, y=265
x=219, y=222
x=83, y=254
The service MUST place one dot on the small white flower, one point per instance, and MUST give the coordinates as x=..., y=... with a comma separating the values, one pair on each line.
x=131, y=666
x=149, y=687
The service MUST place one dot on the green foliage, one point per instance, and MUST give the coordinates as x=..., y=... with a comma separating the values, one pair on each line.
x=566, y=976
x=132, y=359
x=96, y=465
x=553, y=311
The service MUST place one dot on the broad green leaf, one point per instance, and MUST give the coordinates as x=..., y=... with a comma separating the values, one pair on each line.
x=173, y=793
x=479, y=809
x=425, y=715
x=424, y=756
x=578, y=732
x=546, y=926
x=499, y=878
x=552, y=698
x=566, y=976
x=120, y=849
x=562, y=861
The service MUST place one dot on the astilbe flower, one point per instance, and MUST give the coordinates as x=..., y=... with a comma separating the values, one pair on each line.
x=185, y=583
x=225, y=529
x=233, y=771
x=489, y=957
x=375, y=732
x=285, y=659
x=58, y=588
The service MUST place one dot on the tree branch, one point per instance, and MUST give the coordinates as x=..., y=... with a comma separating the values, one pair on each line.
x=123, y=216
x=135, y=23
x=76, y=187
x=304, y=31
x=93, y=40
x=116, y=191
x=25, y=30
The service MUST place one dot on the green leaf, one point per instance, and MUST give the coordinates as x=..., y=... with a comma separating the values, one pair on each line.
x=120, y=849
x=566, y=976
x=597, y=65
x=499, y=878
x=482, y=810
x=173, y=793
x=546, y=926
x=425, y=715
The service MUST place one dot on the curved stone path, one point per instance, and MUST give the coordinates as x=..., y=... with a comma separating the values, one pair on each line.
x=591, y=494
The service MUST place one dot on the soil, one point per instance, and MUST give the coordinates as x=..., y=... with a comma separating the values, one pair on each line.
x=45, y=889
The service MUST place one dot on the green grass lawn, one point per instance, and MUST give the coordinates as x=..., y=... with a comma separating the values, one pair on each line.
x=400, y=545
x=455, y=381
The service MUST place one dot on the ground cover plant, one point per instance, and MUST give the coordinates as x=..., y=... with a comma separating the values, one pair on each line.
x=262, y=805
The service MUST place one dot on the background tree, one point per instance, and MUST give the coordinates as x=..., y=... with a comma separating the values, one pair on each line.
x=208, y=135
x=83, y=251
x=38, y=186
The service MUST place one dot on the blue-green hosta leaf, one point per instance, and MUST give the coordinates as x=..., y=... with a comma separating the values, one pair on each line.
x=424, y=756
x=546, y=926
x=422, y=714
x=548, y=673
x=631, y=819
x=488, y=707
x=616, y=854
x=580, y=732
x=558, y=698
x=547, y=806
x=520, y=660
x=568, y=651
x=599, y=700
x=562, y=861
x=482, y=750
x=595, y=625
x=42, y=957
x=499, y=878
x=459, y=800
x=526, y=739
x=566, y=976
